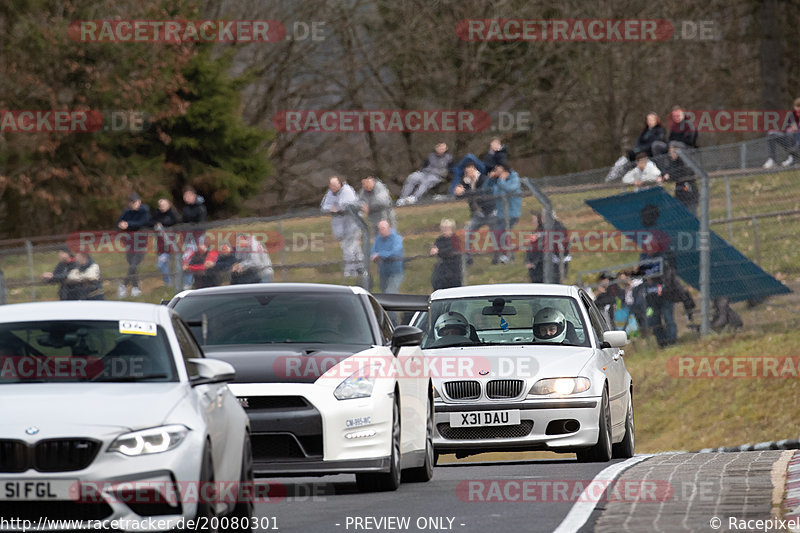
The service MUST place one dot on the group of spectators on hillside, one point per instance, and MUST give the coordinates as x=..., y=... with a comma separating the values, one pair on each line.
x=247, y=261
x=654, y=158
x=490, y=186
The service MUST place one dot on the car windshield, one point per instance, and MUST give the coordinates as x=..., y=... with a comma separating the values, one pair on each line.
x=496, y=320
x=267, y=318
x=84, y=350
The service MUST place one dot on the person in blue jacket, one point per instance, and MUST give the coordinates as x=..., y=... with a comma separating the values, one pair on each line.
x=507, y=189
x=135, y=217
x=387, y=251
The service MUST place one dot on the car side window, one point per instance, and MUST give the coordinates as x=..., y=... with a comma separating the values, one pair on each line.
x=189, y=348
x=384, y=323
x=594, y=316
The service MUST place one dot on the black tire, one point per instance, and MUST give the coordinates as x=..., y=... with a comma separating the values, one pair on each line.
x=245, y=507
x=388, y=481
x=205, y=508
x=600, y=452
x=424, y=473
x=626, y=448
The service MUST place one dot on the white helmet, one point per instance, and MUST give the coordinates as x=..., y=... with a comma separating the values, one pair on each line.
x=549, y=325
x=451, y=320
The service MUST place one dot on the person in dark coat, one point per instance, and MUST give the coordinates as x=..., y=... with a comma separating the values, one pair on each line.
x=497, y=155
x=681, y=130
x=66, y=262
x=193, y=212
x=134, y=218
x=447, y=272
x=163, y=217
x=650, y=142
x=194, y=208
x=84, y=280
x=676, y=171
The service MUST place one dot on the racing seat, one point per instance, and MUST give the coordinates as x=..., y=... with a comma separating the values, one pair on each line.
x=572, y=335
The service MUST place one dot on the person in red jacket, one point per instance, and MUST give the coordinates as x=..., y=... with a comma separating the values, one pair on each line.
x=200, y=263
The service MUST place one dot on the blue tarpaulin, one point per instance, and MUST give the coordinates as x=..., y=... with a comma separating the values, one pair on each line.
x=732, y=274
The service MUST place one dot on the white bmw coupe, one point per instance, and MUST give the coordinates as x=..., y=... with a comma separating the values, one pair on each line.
x=113, y=417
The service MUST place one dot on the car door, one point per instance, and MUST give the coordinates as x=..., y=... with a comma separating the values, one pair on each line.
x=612, y=360
x=411, y=376
x=210, y=397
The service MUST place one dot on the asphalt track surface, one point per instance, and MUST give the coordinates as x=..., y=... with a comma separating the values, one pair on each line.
x=451, y=501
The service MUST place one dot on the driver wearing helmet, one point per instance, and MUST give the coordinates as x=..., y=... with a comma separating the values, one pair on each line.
x=451, y=328
x=549, y=325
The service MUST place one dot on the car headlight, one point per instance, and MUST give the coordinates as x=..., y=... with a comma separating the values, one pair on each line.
x=147, y=441
x=357, y=385
x=436, y=393
x=560, y=386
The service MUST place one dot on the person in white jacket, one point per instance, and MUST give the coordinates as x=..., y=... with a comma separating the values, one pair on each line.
x=343, y=205
x=644, y=173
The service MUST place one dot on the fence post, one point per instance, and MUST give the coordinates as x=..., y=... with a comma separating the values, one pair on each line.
x=547, y=220
x=283, y=250
x=31, y=276
x=756, y=242
x=703, y=243
x=728, y=206
x=743, y=155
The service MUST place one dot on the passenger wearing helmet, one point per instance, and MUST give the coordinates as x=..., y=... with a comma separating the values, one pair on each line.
x=549, y=325
x=451, y=328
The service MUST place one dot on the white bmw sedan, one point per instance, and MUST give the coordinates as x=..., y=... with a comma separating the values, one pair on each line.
x=113, y=417
x=527, y=367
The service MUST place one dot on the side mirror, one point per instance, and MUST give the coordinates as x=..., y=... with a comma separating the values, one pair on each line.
x=614, y=339
x=212, y=371
x=406, y=336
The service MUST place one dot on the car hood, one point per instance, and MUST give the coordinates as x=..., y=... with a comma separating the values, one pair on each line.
x=281, y=363
x=85, y=409
x=508, y=361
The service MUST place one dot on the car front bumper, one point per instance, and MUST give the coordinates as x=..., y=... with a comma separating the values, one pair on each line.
x=101, y=494
x=323, y=436
x=532, y=432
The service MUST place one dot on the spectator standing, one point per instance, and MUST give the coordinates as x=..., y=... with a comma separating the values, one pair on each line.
x=376, y=202
x=447, y=272
x=434, y=170
x=194, y=208
x=497, y=155
x=163, y=217
x=253, y=264
x=506, y=187
x=474, y=186
x=387, y=251
x=342, y=204
x=66, y=262
x=788, y=139
x=193, y=212
x=556, y=242
x=84, y=281
x=135, y=217
x=676, y=171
